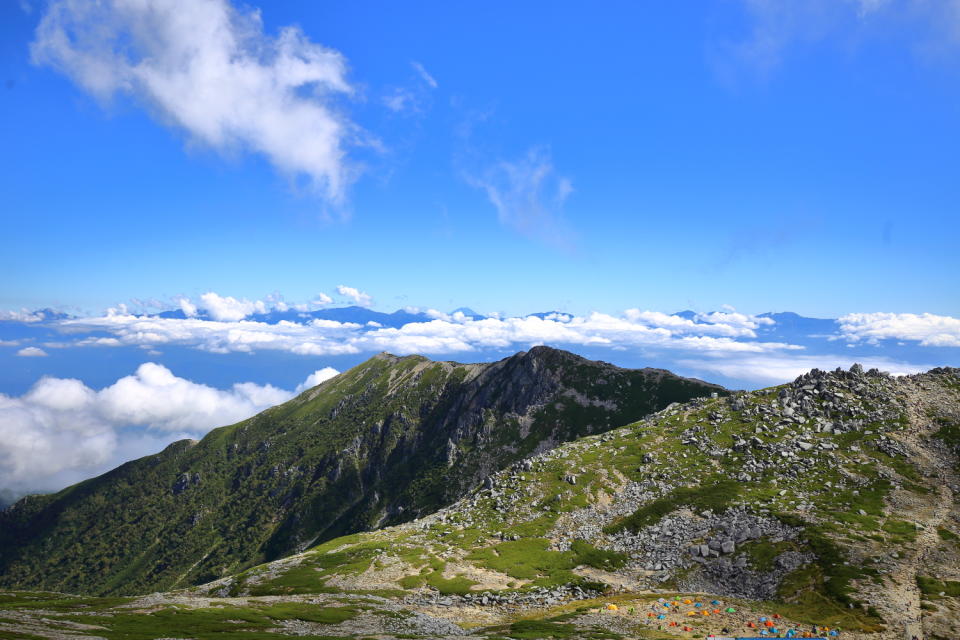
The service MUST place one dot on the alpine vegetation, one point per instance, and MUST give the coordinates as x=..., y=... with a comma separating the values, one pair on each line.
x=827, y=505
x=385, y=442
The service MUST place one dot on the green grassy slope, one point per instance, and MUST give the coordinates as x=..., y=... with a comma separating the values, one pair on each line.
x=389, y=440
x=830, y=469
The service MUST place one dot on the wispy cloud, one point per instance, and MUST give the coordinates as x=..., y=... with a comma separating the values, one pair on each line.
x=529, y=195
x=776, y=27
x=424, y=74
x=399, y=100
x=209, y=70
x=414, y=98
x=31, y=352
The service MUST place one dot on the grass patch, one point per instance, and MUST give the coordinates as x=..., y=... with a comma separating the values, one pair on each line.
x=532, y=629
x=309, y=613
x=310, y=576
x=932, y=588
x=221, y=623
x=458, y=585
x=542, y=629
x=529, y=559
x=715, y=495
x=820, y=592
x=763, y=553
x=533, y=560
x=57, y=602
x=947, y=535
x=586, y=554
x=901, y=531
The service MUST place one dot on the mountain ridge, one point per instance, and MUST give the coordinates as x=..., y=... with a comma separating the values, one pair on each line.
x=829, y=502
x=835, y=496
x=370, y=447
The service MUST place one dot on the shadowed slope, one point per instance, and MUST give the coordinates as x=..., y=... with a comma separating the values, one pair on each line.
x=389, y=440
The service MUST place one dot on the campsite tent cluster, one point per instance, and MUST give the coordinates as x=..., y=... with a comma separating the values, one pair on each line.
x=682, y=613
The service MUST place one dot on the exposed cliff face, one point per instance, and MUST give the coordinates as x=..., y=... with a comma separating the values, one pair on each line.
x=390, y=440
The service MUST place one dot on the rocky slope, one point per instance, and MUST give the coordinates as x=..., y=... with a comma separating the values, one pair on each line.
x=387, y=441
x=831, y=501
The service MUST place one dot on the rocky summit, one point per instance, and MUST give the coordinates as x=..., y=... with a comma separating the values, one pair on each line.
x=390, y=440
x=825, y=507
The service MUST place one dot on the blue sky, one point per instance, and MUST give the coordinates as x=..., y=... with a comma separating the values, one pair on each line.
x=818, y=177
x=232, y=163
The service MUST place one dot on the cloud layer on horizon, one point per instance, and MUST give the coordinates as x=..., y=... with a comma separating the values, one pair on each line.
x=927, y=329
x=444, y=333
x=752, y=348
x=61, y=430
x=772, y=369
x=225, y=324
x=228, y=326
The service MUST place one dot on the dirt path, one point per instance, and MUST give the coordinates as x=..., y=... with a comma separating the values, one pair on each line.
x=902, y=588
x=907, y=574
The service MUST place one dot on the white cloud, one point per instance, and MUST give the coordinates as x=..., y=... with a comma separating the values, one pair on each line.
x=424, y=74
x=31, y=352
x=9, y=343
x=228, y=308
x=61, y=431
x=155, y=398
x=317, y=377
x=209, y=69
x=442, y=334
x=528, y=196
x=771, y=369
x=926, y=328
x=357, y=296
x=22, y=316
x=731, y=324
x=189, y=309
x=322, y=300
x=735, y=319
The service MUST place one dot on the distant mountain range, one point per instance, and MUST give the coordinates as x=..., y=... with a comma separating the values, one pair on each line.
x=354, y=314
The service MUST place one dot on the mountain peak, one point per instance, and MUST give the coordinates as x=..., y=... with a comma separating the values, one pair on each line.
x=829, y=501
x=381, y=443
